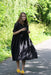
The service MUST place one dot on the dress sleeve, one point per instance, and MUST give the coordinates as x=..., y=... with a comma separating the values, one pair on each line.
x=16, y=27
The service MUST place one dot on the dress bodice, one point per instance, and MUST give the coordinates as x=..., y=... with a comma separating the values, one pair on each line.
x=24, y=34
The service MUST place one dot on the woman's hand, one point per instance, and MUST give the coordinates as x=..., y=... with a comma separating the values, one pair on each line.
x=28, y=31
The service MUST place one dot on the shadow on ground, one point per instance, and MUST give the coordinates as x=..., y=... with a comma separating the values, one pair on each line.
x=40, y=66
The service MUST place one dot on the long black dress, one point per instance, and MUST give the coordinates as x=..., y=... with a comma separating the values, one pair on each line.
x=22, y=47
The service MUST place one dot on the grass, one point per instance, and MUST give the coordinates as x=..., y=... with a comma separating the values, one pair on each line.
x=4, y=55
x=38, y=33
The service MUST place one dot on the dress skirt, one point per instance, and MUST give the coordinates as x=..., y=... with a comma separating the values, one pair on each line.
x=27, y=50
x=22, y=47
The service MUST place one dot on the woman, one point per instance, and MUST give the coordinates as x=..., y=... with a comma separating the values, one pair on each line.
x=22, y=47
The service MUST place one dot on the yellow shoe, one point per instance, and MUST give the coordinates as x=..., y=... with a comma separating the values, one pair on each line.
x=18, y=70
x=22, y=72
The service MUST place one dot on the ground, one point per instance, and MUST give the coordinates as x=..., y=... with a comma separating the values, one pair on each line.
x=40, y=66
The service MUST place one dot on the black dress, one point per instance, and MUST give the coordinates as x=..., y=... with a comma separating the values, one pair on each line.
x=22, y=47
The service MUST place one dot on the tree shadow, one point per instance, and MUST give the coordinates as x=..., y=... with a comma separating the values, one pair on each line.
x=40, y=66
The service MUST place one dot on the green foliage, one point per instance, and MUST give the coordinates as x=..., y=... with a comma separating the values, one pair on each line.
x=44, y=12
x=39, y=32
x=36, y=11
x=2, y=13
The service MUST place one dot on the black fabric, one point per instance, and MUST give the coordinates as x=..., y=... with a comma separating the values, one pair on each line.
x=19, y=39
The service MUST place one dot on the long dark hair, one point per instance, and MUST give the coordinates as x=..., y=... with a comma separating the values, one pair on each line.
x=20, y=19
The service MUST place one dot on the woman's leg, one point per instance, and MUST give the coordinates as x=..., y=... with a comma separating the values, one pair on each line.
x=23, y=64
x=17, y=64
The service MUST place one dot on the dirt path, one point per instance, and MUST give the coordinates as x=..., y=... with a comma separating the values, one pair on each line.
x=40, y=66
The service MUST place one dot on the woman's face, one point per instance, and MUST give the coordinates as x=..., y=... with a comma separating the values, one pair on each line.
x=23, y=17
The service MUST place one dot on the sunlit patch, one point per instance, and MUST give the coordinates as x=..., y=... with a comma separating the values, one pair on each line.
x=29, y=72
x=28, y=65
x=40, y=72
x=42, y=67
x=33, y=62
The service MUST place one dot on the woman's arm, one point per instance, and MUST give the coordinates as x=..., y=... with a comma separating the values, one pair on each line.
x=17, y=32
x=23, y=29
